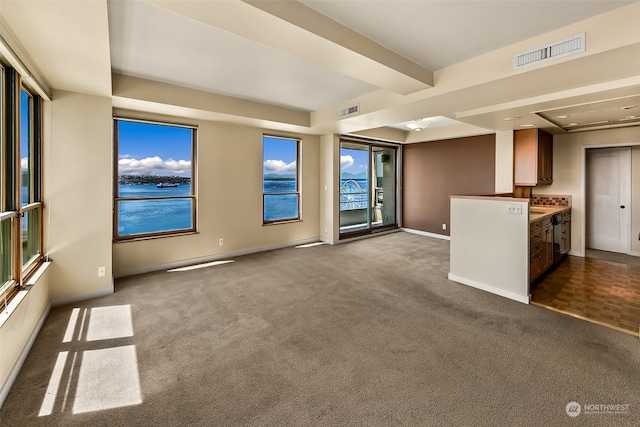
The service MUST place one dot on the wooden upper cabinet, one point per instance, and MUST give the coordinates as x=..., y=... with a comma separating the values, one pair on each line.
x=533, y=157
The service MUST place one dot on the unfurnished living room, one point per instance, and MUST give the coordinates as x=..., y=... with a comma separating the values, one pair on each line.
x=319, y=212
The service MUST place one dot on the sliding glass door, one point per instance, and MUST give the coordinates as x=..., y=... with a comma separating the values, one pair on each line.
x=384, y=187
x=367, y=187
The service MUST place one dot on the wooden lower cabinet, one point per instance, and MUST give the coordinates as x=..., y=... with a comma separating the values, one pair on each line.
x=540, y=247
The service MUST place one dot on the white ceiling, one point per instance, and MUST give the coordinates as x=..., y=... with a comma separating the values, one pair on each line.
x=292, y=65
x=436, y=34
x=150, y=42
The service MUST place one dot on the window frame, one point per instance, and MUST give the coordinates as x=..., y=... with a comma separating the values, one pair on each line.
x=35, y=187
x=298, y=175
x=117, y=198
x=11, y=208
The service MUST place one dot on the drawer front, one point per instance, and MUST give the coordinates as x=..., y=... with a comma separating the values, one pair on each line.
x=535, y=226
x=535, y=237
x=536, y=248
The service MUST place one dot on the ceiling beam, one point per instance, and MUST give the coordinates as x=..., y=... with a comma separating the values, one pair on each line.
x=293, y=31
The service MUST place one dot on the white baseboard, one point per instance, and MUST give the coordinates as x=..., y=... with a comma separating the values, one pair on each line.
x=426, y=233
x=634, y=253
x=489, y=288
x=6, y=387
x=83, y=297
x=217, y=257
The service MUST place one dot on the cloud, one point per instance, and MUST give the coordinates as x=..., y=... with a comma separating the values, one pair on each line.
x=153, y=166
x=275, y=166
x=24, y=163
x=345, y=162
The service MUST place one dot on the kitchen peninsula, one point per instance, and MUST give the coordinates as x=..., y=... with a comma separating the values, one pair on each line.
x=500, y=244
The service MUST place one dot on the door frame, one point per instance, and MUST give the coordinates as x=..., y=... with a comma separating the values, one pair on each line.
x=583, y=178
x=342, y=236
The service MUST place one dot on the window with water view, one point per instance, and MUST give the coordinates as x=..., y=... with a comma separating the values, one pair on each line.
x=155, y=192
x=21, y=204
x=280, y=179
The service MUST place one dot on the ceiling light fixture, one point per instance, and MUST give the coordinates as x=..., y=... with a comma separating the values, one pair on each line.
x=561, y=117
x=527, y=126
x=572, y=124
x=511, y=118
x=418, y=125
x=629, y=107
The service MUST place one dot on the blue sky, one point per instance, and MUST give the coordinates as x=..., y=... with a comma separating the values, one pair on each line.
x=151, y=149
x=24, y=129
x=279, y=155
x=353, y=161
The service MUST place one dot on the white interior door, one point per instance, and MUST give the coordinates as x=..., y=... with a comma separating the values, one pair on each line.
x=608, y=199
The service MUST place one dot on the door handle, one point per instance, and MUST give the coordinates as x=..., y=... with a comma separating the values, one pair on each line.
x=621, y=206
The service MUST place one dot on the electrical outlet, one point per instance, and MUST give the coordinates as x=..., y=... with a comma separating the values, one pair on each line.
x=444, y=226
x=514, y=209
x=325, y=228
x=221, y=242
x=102, y=271
x=325, y=187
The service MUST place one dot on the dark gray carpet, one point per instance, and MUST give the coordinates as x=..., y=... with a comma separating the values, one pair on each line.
x=365, y=333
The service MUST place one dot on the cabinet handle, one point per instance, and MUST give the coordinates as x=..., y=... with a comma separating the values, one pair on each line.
x=622, y=207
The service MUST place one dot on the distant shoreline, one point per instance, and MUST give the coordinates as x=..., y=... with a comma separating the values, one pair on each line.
x=152, y=179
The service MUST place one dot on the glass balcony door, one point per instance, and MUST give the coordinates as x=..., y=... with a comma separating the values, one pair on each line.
x=384, y=186
x=367, y=187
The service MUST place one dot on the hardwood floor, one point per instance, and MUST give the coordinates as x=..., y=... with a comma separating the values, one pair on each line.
x=600, y=291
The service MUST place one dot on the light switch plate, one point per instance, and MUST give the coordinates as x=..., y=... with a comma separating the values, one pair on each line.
x=514, y=209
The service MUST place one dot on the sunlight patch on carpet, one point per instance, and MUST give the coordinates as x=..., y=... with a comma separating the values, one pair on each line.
x=108, y=378
x=197, y=266
x=110, y=322
x=311, y=245
x=54, y=383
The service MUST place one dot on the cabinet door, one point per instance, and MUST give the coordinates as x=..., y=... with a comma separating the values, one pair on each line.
x=545, y=158
x=525, y=157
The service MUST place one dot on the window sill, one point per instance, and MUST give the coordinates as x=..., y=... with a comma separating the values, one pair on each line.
x=22, y=293
x=157, y=236
x=284, y=221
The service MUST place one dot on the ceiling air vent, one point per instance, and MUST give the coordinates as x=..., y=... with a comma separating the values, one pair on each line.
x=550, y=52
x=349, y=110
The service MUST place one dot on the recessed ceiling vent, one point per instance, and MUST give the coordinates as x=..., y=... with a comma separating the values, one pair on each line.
x=349, y=110
x=550, y=52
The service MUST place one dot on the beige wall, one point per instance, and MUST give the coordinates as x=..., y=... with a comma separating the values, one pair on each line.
x=504, y=161
x=229, y=186
x=28, y=309
x=568, y=175
x=77, y=192
x=329, y=183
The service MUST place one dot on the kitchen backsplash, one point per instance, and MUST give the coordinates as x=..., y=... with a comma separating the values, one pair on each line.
x=550, y=200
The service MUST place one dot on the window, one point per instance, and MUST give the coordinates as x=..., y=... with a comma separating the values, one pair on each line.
x=21, y=226
x=155, y=187
x=280, y=179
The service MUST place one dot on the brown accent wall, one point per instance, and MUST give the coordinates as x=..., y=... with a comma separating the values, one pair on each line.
x=431, y=171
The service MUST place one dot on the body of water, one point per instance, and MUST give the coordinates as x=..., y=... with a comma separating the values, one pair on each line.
x=280, y=206
x=152, y=216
